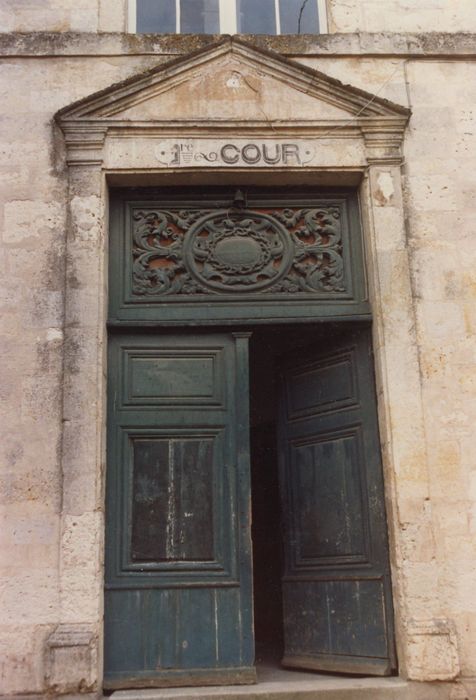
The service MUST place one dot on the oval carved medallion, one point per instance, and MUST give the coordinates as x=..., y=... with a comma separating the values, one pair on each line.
x=237, y=251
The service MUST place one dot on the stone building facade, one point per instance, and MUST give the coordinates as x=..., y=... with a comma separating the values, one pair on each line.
x=383, y=104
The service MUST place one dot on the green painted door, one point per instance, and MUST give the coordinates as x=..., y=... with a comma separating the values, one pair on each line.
x=336, y=582
x=178, y=592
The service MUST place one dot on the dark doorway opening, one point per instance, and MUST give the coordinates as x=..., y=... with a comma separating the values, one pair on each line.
x=268, y=346
x=266, y=510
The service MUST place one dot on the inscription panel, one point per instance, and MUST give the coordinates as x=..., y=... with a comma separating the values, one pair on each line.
x=267, y=153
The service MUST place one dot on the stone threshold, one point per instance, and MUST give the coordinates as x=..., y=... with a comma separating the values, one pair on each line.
x=280, y=684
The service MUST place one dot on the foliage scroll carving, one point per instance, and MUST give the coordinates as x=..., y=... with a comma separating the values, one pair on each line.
x=282, y=252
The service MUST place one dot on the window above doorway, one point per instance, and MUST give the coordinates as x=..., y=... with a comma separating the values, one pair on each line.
x=228, y=16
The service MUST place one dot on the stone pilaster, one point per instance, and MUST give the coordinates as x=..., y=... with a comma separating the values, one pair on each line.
x=426, y=642
x=74, y=650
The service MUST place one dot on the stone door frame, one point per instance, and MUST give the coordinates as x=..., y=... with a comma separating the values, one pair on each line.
x=365, y=153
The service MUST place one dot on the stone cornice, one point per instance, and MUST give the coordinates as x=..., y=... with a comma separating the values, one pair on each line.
x=457, y=45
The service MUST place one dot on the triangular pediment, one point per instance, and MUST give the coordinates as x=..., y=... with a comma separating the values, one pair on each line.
x=230, y=81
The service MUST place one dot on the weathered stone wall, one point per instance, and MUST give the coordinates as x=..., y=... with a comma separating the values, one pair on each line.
x=34, y=203
x=40, y=587
x=441, y=203
x=63, y=16
x=343, y=16
x=401, y=16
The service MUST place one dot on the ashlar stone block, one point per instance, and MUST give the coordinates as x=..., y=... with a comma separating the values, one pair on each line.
x=432, y=652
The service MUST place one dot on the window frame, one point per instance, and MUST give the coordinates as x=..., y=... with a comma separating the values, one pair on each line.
x=228, y=17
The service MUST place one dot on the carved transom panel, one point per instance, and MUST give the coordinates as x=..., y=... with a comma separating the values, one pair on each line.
x=278, y=251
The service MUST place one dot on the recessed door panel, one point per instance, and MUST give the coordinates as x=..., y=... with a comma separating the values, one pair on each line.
x=326, y=385
x=172, y=516
x=183, y=377
x=327, y=498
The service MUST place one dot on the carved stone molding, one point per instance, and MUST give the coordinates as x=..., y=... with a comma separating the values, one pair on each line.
x=383, y=143
x=71, y=659
x=85, y=144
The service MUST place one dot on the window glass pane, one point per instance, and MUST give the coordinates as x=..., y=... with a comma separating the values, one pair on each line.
x=156, y=16
x=199, y=17
x=256, y=16
x=298, y=16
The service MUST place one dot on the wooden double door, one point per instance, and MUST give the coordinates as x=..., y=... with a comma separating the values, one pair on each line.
x=179, y=563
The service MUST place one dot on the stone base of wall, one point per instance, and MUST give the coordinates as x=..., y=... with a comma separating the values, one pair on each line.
x=432, y=645
x=71, y=660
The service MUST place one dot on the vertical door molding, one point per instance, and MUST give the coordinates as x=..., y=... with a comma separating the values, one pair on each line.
x=421, y=628
x=83, y=440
